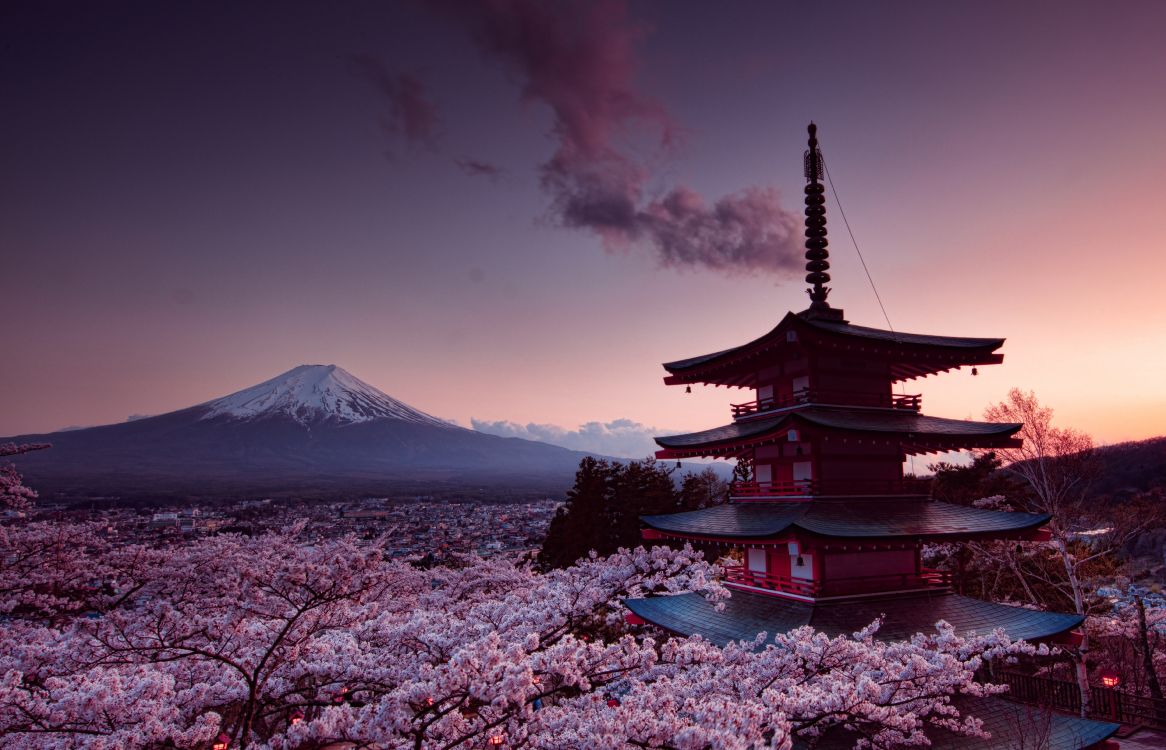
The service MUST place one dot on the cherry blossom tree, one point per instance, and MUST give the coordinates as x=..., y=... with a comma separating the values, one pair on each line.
x=1132, y=641
x=273, y=644
x=13, y=492
x=1058, y=465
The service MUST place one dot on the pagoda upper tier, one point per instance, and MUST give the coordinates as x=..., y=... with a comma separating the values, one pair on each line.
x=809, y=344
x=796, y=431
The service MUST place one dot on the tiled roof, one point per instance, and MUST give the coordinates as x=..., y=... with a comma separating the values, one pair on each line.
x=901, y=337
x=896, y=421
x=846, y=519
x=842, y=329
x=1009, y=724
x=747, y=614
x=727, y=433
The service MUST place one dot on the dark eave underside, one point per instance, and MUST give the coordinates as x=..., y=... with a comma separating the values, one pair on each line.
x=747, y=614
x=885, y=421
x=1009, y=724
x=842, y=519
x=960, y=348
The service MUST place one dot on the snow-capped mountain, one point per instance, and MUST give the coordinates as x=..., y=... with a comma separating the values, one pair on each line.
x=313, y=393
x=313, y=430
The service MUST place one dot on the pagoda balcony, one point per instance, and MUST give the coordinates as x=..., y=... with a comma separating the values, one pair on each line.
x=803, y=488
x=837, y=398
x=849, y=586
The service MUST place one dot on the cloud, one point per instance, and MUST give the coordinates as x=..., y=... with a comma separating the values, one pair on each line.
x=623, y=438
x=476, y=168
x=410, y=114
x=579, y=59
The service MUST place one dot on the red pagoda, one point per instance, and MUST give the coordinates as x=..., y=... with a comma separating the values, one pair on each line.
x=829, y=529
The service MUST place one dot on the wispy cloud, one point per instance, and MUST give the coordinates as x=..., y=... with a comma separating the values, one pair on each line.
x=622, y=438
x=579, y=59
x=410, y=114
x=477, y=168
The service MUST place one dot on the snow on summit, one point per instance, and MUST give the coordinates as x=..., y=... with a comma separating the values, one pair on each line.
x=314, y=393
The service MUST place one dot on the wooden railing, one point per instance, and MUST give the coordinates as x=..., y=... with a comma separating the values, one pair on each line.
x=815, y=487
x=912, y=403
x=848, y=586
x=745, y=577
x=795, y=488
x=1104, y=703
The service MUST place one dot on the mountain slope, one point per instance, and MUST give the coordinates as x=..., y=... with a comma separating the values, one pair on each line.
x=315, y=428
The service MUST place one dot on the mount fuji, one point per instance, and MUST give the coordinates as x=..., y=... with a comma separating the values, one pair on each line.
x=314, y=430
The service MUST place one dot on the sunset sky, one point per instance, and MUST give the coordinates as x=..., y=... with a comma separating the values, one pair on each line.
x=515, y=211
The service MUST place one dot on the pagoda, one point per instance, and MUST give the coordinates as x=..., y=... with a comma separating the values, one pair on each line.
x=829, y=530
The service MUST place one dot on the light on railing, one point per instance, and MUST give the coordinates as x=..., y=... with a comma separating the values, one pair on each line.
x=1110, y=678
x=496, y=740
x=222, y=742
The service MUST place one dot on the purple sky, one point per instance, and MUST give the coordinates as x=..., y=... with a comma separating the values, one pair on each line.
x=500, y=213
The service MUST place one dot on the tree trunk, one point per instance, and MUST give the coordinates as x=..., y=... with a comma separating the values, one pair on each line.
x=1147, y=656
x=1079, y=605
x=1082, y=670
x=1010, y=556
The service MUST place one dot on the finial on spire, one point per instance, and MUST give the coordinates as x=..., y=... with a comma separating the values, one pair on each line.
x=816, y=253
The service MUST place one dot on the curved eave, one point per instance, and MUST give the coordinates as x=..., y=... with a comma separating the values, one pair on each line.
x=916, y=433
x=912, y=355
x=746, y=614
x=1008, y=724
x=847, y=520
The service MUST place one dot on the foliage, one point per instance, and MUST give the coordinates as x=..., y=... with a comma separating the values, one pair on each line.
x=13, y=492
x=1057, y=465
x=1131, y=641
x=965, y=484
x=279, y=645
x=702, y=490
x=603, y=508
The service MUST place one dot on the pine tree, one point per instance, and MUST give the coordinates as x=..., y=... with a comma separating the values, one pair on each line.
x=603, y=509
x=703, y=490
x=578, y=525
x=640, y=488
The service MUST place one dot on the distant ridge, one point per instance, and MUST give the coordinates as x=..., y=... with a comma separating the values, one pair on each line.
x=315, y=429
x=1136, y=466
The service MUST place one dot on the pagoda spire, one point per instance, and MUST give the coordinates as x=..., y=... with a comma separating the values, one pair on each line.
x=817, y=262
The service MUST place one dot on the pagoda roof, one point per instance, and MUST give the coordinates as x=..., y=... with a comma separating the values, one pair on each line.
x=960, y=350
x=746, y=614
x=854, y=519
x=902, y=422
x=1005, y=721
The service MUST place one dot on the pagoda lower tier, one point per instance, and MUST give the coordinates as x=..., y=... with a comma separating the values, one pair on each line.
x=1008, y=724
x=746, y=614
x=838, y=522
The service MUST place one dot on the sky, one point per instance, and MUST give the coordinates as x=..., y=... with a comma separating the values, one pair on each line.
x=508, y=213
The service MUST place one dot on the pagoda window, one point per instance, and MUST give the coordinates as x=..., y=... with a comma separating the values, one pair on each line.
x=803, y=471
x=764, y=394
x=801, y=385
x=755, y=560
x=792, y=436
x=763, y=473
x=801, y=564
x=791, y=337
